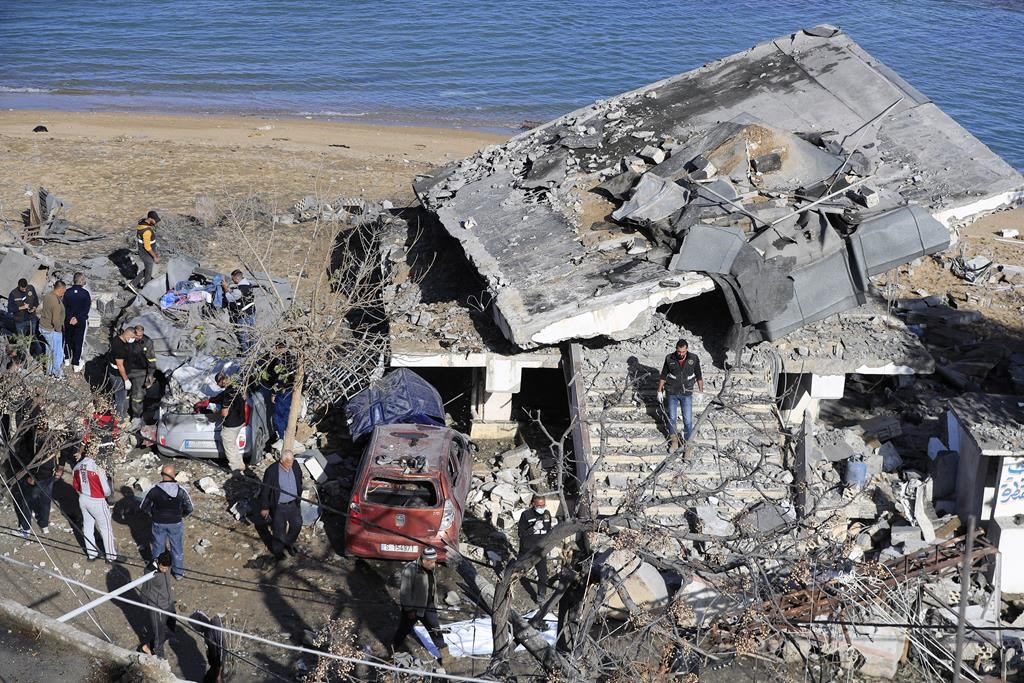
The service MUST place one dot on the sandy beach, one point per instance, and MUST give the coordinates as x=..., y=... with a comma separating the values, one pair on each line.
x=112, y=167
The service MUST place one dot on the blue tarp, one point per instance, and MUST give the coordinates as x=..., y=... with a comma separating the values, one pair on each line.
x=401, y=396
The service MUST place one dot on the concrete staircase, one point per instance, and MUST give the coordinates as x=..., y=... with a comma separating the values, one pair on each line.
x=629, y=438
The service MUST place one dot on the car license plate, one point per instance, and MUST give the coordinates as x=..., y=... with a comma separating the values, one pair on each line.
x=198, y=443
x=396, y=548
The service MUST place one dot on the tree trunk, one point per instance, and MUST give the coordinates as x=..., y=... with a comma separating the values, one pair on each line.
x=524, y=634
x=295, y=408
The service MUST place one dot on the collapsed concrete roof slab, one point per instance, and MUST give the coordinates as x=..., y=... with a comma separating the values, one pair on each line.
x=782, y=113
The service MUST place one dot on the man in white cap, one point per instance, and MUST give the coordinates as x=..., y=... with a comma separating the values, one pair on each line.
x=418, y=597
x=93, y=487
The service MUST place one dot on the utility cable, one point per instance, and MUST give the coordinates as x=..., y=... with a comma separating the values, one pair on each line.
x=28, y=514
x=250, y=636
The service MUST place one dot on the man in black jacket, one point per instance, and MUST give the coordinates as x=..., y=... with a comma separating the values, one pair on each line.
x=77, y=304
x=22, y=303
x=279, y=503
x=168, y=504
x=418, y=598
x=32, y=486
x=680, y=372
x=534, y=524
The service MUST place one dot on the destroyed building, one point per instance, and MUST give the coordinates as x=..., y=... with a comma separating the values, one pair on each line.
x=788, y=179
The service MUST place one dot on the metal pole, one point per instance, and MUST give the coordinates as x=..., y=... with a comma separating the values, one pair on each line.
x=109, y=596
x=965, y=584
x=822, y=199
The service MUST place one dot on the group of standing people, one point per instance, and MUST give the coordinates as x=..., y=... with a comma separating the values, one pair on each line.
x=61, y=317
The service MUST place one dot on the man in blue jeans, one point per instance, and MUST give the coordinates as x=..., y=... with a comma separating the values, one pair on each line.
x=168, y=504
x=679, y=374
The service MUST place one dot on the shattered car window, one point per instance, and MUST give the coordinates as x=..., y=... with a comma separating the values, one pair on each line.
x=401, y=493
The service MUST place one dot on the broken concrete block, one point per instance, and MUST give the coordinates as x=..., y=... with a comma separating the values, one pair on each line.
x=504, y=493
x=891, y=460
x=866, y=196
x=701, y=168
x=645, y=587
x=653, y=154
x=202, y=546
x=207, y=485
x=881, y=427
x=883, y=648
x=508, y=476
x=515, y=457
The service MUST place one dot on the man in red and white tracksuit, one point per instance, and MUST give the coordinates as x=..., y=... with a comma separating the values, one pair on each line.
x=90, y=481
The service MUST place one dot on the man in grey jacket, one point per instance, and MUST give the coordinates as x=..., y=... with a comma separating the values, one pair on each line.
x=418, y=597
x=159, y=592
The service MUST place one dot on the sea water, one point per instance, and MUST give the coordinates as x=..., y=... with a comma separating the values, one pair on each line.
x=484, y=63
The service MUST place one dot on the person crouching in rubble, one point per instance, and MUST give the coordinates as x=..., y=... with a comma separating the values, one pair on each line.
x=231, y=400
x=418, y=598
x=679, y=374
x=241, y=305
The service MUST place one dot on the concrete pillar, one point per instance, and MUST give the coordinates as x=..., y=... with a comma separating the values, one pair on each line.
x=493, y=388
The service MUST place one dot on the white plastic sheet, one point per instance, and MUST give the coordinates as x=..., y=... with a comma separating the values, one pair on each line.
x=472, y=638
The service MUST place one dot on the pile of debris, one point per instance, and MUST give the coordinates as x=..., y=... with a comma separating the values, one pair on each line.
x=503, y=493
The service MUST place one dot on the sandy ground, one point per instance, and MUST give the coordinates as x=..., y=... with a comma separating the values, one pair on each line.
x=1002, y=303
x=112, y=168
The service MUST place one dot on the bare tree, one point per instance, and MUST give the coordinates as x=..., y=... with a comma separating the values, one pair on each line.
x=326, y=334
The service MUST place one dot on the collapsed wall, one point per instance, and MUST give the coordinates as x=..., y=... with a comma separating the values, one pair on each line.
x=787, y=175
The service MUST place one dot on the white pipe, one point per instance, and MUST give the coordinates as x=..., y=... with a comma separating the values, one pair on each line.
x=109, y=596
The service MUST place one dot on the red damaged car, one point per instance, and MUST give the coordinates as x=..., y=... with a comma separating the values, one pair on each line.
x=410, y=491
x=413, y=480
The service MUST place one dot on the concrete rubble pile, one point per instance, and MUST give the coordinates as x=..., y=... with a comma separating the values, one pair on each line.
x=503, y=493
x=786, y=176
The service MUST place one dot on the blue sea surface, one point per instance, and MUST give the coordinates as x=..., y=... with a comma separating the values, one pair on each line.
x=484, y=63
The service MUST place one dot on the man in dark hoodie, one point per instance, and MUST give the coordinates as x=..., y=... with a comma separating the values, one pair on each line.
x=77, y=304
x=168, y=504
x=158, y=592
